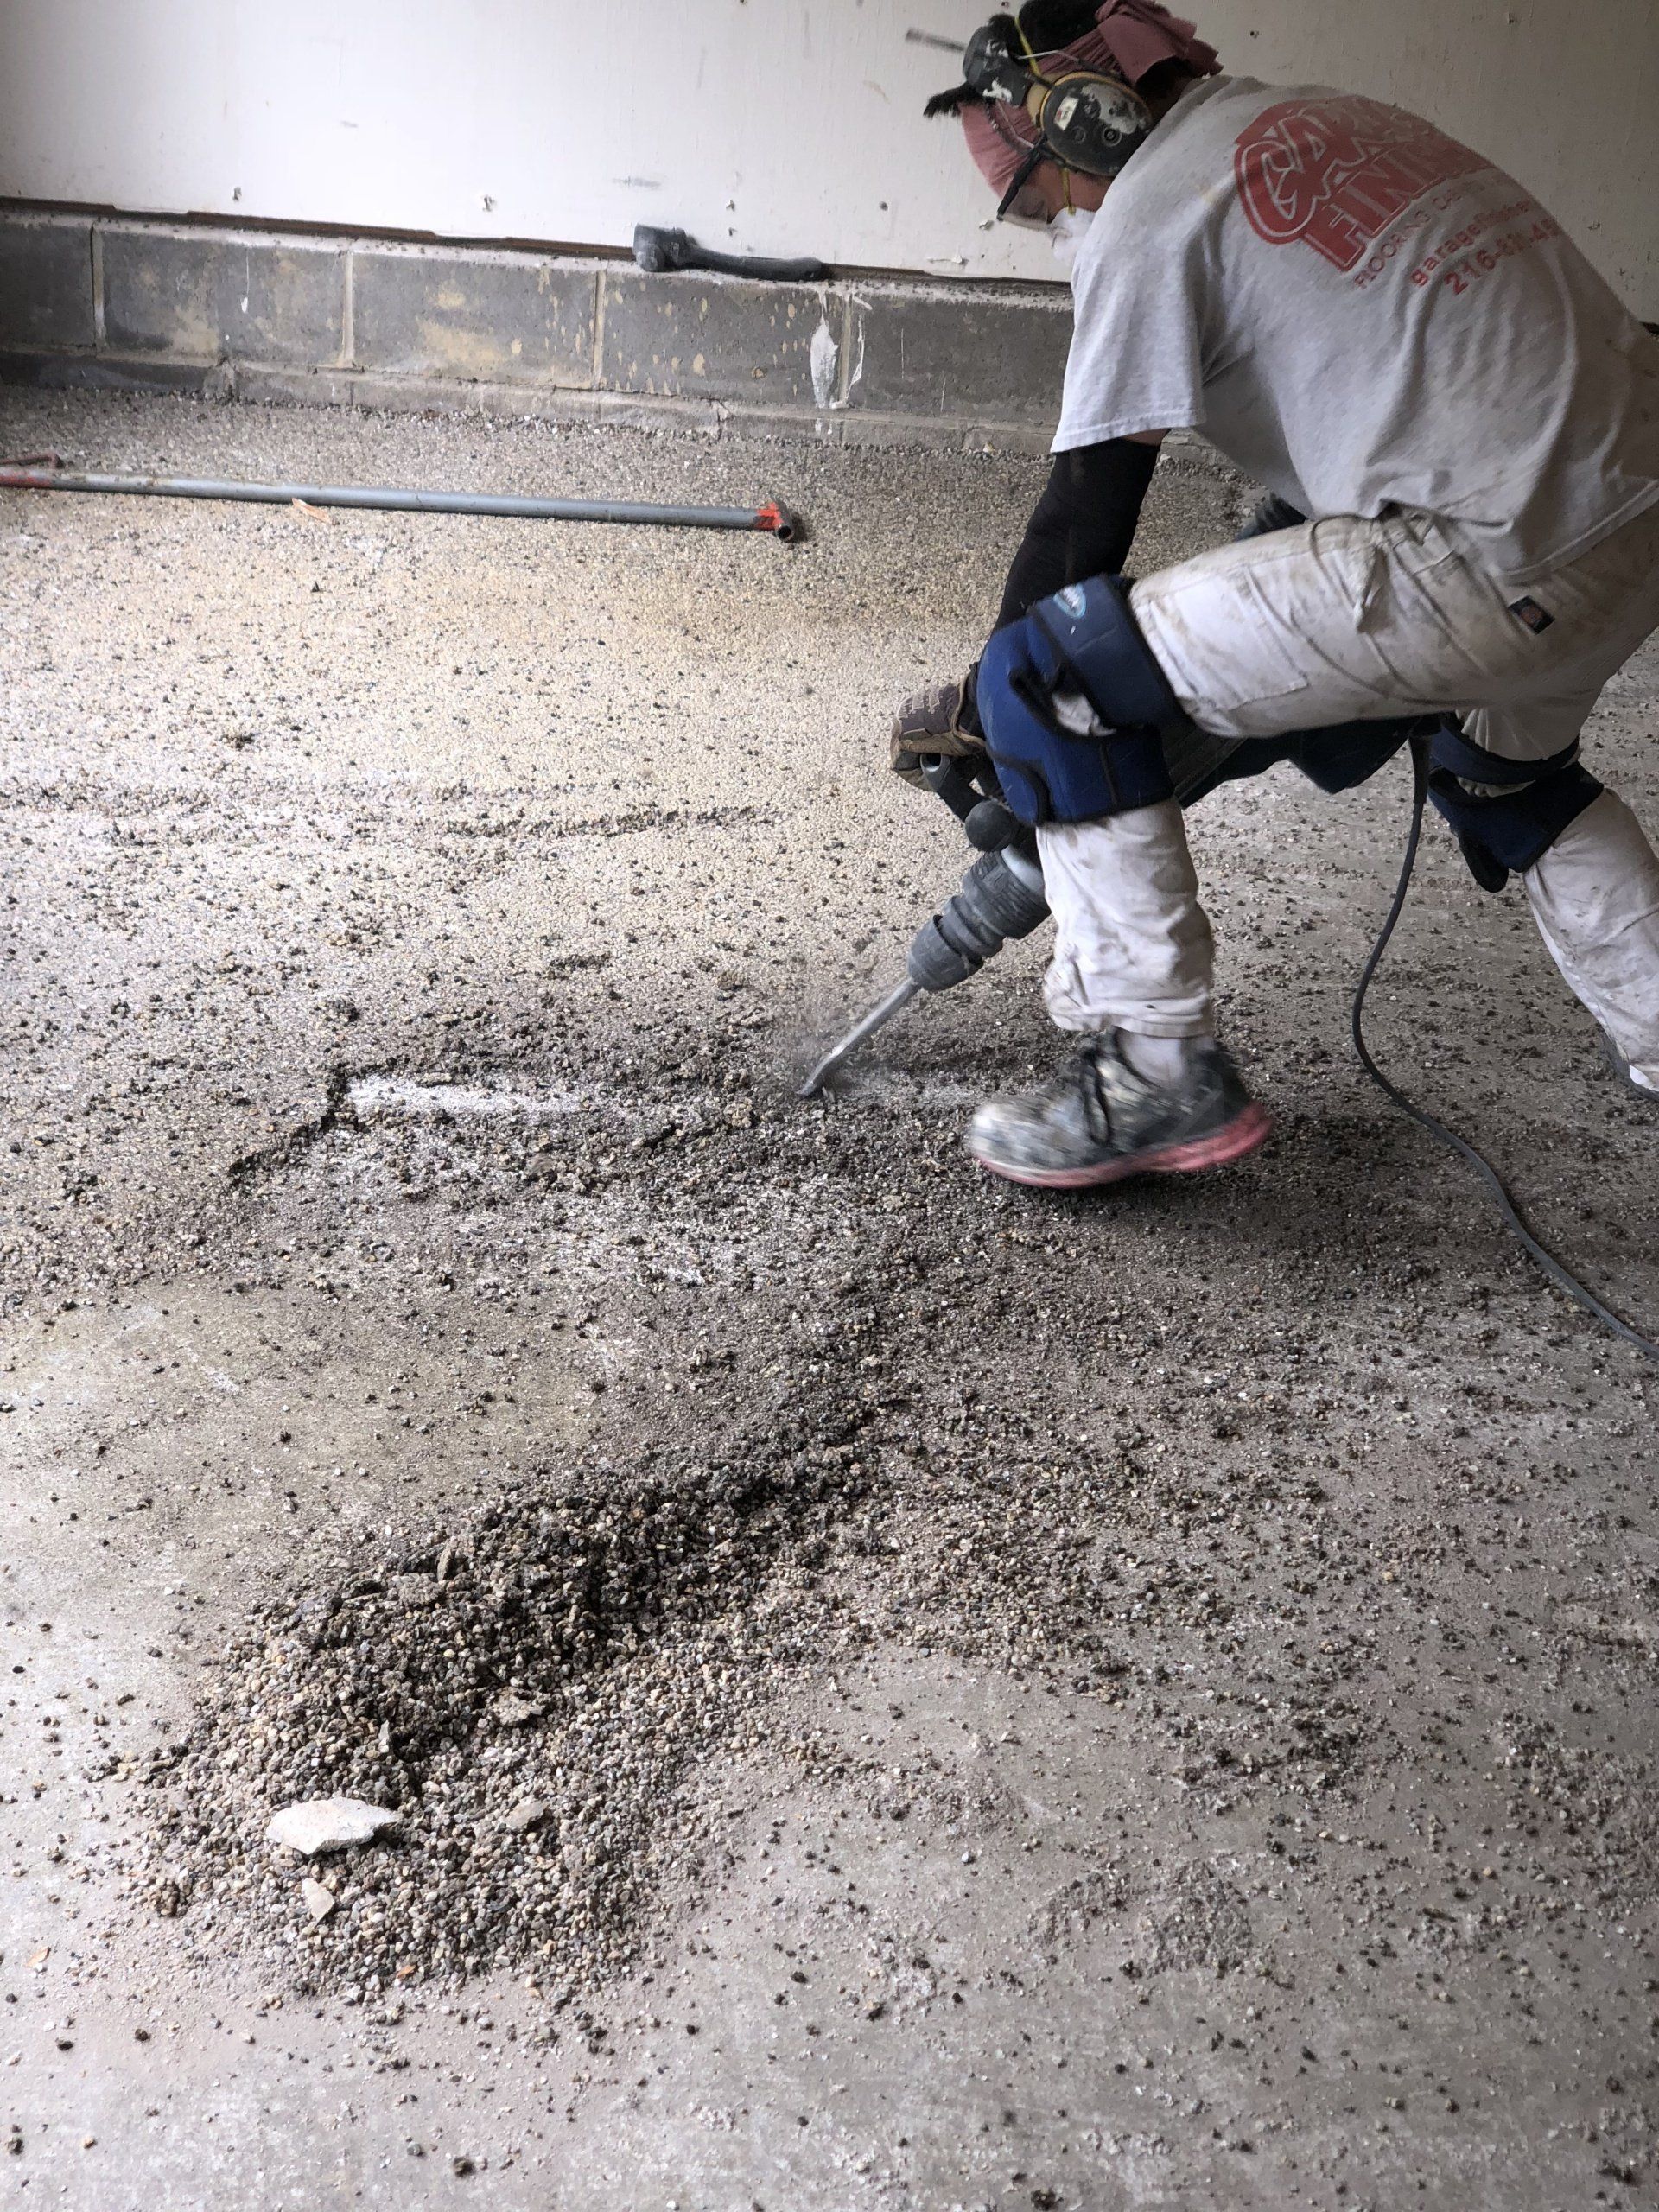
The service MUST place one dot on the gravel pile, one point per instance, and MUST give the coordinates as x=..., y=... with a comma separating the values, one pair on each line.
x=531, y=1693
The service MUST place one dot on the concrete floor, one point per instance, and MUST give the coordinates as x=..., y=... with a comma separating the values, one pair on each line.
x=1237, y=1785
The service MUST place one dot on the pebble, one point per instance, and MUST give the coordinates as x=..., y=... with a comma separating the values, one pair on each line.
x=319, y=1900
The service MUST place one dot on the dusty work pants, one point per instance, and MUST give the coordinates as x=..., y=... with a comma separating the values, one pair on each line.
x=1346, y=621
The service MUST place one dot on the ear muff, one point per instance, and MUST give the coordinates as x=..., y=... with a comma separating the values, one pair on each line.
x=1087, y=121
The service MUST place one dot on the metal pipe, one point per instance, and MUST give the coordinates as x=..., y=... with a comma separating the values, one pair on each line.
x=772, y=518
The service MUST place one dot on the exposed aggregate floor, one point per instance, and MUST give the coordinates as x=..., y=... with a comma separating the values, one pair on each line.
x=1144, y=1701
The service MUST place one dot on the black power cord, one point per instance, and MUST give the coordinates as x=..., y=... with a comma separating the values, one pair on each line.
x=1546, y=1260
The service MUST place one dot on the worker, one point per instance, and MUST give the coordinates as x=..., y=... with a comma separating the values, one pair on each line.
x=1459, y=423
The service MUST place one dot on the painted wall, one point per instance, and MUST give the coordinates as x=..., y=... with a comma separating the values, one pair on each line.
x=787, y=126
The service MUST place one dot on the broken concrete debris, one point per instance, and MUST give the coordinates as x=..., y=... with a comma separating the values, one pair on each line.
x=320, y=1899
x=1322, y=1586
x=328, y=1824
x=532, y=1732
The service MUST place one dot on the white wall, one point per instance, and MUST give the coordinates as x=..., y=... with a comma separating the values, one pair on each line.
x=763, y=125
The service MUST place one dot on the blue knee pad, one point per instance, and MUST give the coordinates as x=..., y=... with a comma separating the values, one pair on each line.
x=1083, y=638
x=1516, y=826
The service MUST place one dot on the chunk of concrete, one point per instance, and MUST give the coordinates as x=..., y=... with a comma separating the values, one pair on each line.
x=523, y=318
x=209, y=297
x=328, y=1824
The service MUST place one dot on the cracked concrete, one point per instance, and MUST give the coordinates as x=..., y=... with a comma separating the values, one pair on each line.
x=1229, y=1776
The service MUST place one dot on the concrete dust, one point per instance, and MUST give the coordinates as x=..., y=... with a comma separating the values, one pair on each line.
x=1144, y=1700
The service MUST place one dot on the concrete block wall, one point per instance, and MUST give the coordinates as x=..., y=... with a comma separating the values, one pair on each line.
x=120, y=301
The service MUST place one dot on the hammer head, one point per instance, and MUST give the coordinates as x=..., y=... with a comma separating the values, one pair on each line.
x=656, y=250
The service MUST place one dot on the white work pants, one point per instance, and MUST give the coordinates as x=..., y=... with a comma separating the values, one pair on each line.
x=1346, y=621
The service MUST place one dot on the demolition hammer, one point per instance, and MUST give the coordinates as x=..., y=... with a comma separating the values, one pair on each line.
x=1001, y=897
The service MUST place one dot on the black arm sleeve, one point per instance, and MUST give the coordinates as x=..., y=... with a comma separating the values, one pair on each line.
x=1083, y=525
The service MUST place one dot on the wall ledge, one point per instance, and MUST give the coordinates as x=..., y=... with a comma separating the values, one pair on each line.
x=128, y=303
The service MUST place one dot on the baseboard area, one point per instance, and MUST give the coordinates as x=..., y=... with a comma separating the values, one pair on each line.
x=124, y=302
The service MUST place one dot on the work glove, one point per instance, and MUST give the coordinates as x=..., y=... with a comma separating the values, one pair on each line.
x=939, y=723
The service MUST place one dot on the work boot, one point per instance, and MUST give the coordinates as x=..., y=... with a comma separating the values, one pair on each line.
x=1098, y=1122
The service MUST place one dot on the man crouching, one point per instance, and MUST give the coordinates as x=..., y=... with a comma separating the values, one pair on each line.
x=1459, y=424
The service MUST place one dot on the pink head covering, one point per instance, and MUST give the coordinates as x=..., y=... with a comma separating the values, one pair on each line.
x=1130, y=38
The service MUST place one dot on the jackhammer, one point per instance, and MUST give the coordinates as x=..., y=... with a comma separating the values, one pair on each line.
x=1001, y=897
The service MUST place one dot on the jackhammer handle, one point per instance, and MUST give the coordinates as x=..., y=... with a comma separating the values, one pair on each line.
x=947, y=778
x=973, y=797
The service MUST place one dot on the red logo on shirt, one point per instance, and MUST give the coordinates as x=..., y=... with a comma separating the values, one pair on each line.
x=1336, y=173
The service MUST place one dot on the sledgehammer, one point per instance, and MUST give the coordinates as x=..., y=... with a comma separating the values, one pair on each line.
x=659, y=251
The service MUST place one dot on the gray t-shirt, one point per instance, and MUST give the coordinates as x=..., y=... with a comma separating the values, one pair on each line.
x=1362, y=314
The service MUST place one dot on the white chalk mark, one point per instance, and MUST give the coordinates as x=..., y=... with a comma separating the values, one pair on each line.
x=860, y=307
x=823, y=358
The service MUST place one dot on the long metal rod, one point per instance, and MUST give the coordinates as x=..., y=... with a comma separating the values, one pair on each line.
x=878, y=1018
x=779, y=521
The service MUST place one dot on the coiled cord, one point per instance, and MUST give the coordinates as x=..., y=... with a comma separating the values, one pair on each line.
x=1546, y=1260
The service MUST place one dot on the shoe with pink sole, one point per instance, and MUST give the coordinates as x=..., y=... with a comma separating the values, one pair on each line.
x=1099, y=1121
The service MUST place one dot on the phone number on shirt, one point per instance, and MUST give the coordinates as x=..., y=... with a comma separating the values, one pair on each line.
x=1469, y=269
